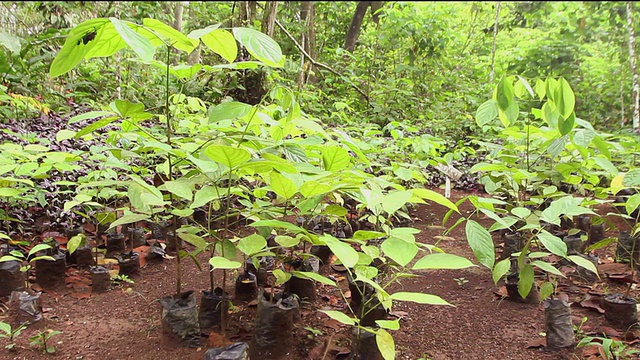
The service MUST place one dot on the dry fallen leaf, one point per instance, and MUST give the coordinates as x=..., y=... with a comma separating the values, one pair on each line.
x=537, y=343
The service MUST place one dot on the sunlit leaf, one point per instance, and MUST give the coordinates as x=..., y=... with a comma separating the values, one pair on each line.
x=442, y=261
x=481, y=243
x=419, y=298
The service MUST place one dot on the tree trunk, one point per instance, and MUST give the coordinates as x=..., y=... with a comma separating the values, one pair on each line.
x=269, y=18
x=308, y=41
x=634, y=68
x=178, y=10
x=492, y=73
x=194, y=57
x=375, y=6
x=356, y=25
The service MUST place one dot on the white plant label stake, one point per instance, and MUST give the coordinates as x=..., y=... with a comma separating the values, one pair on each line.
x=450, y=173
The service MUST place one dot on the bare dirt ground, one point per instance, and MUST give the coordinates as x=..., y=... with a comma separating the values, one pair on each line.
x=124, y=323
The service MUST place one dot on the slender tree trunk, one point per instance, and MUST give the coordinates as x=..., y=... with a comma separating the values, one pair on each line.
x=178, y=10
x=194, y=57
x=634, y=68
x=269, y=18
x=356, y=25
x=116, y=13
x=308, y=41
x=492, y=73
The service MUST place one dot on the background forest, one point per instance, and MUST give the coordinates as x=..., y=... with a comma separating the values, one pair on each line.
x=426, y=64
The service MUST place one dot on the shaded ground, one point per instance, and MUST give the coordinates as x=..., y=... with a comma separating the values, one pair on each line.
x=124, y=323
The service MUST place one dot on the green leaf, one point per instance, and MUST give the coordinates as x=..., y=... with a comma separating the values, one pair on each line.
x=313, y=188
x=486, y=112
x=261, y=46
x=128, y=219
x=419, y=298
x=367, y=235
x=481, y=243
x=10, y=192
x=182, y=187
x=335, y=158
x=138, y=43
x=278, y=224
x=389, y=324
x=521, y=212
x=504, y=93
x=553, y=243
x=170, y=35
x=203, y=196
x=632, y=203
x=75, y=242
x=550, y=114
x=281, y=276
x=347, y=255
x=286, y=241
x=546, y=290
x=398, y=250
x=564, y=98
x=314, y=276
x=36, y=249
x=525, y=280
x=386, y=345
x=395, y=200
x=556, y=146
x=221, y=42
x=65, y=134
x=340, y=317
x=547, y=267
x=583, y=137
x=252, y=244
x=500, y=269
x=76, y=47
x=585, y=263
x=435, y=197
x=227, y=155
x=219, y=262
x=95, y=126
x=193, y=239
x=631, y=178
x=442, y=261
x=335, y=210
x=282, y=185
x=566, y=125
x=229, y=110
x=11, y=42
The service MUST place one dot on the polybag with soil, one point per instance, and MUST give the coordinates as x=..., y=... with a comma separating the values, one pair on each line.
x=180, y=319
x=558, y=325
x=273, y=326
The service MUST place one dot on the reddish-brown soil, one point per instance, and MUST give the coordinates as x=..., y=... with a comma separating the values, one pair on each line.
x=124, y=323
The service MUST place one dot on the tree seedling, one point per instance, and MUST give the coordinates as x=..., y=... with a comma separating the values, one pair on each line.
x=8, y=333
x=18, y=256
x=42, y=339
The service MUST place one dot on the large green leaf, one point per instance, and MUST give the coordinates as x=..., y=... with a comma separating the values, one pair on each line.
x=419, y=298
x=138, y=43
x=564, y=98
x=129, y=218
x=11, y=42
x=566, y=125
x=547, y=267
x=282, y=185
x=487, y=112
x=585, y=263
x=347, y=255
x=504, y=93
x=221, y=42
x=631, y=178
x=80, y=41
x=583, y=137
x=553, y=243
x=442, y=261
x=395, y=200
x=95, y=126
x=261, y=46
x=252, y=244
x=435, y=197
x=386, y=345
x=227, y=155
x=314, y=276
x=335, y=158
x=525, y=280
x=399, y=250
x=501, y=268
x=229, y=110
x=181, y=187
x=169, y=35
x=481, y=243
x=218, y=262
x=193, y=239
x=340, y=317
x=277, y=224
